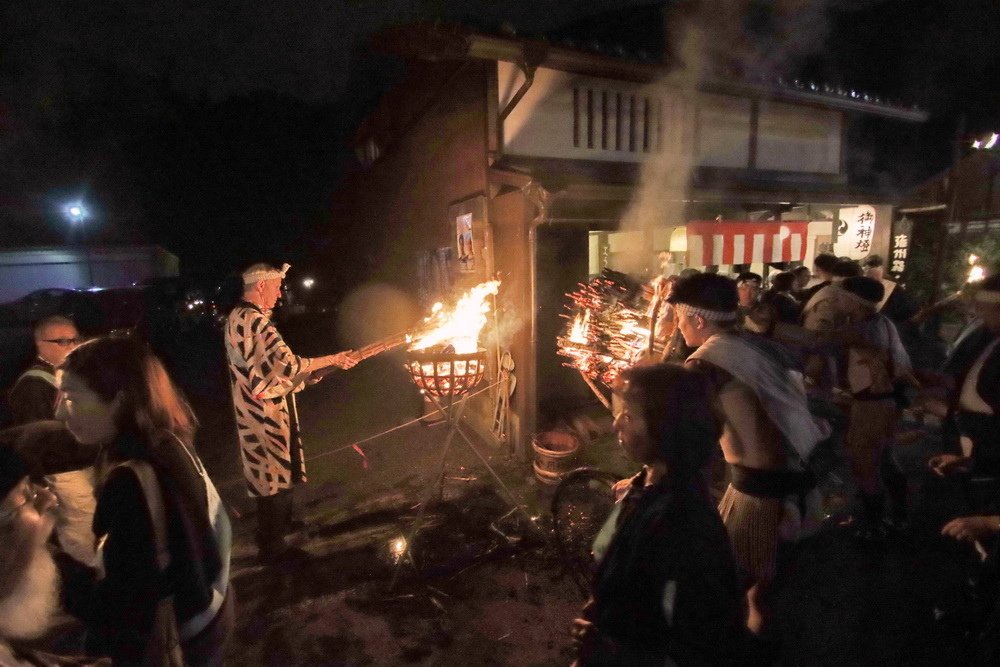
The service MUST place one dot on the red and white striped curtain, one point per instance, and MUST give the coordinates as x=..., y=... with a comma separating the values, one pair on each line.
x=742, y=242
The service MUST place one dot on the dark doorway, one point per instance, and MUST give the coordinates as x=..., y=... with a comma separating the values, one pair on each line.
x=562, y=264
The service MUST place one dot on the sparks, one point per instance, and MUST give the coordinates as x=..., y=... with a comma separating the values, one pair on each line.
x=606, y=333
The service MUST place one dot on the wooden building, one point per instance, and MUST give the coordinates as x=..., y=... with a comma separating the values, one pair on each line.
x=539, y=149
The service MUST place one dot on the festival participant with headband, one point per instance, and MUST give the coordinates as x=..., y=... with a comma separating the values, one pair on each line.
x=974, y=402
x=748, y=286
x=767, y=435
x=264, y=374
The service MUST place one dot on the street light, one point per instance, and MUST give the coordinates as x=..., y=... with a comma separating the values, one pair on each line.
x=75, y=213
x=308, y=282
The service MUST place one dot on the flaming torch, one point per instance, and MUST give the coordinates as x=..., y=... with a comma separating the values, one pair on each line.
x=445, y=359
x=975, y=275
x=606, y=333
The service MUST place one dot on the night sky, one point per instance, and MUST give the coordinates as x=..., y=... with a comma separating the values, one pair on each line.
x=222, y=132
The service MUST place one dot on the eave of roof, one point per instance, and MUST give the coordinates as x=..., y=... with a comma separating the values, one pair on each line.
x=435, y=42
x=587, y=179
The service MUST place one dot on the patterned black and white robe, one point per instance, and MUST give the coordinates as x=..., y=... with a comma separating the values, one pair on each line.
x=263, y=374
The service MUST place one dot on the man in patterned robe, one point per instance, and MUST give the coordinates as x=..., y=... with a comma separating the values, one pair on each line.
x=264, y=374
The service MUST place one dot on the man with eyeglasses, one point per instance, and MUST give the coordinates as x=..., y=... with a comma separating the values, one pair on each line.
x=33, y=396
x=32, y=404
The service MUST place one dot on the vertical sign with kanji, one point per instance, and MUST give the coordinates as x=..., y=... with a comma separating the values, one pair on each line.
x=899, y=249
x=855, y=232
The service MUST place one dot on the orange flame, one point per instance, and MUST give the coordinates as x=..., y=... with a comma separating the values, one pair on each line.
x=458, y=326
x=578, y=333
x=976, y=272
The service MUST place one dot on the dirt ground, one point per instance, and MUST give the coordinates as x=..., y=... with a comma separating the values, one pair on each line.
x=480, y=596
x=486, y=587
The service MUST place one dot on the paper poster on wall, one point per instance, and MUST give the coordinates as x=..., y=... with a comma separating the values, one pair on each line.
x=855, y=232
x=466, y=248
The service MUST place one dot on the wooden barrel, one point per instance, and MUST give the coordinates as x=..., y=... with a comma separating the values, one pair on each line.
x=555, y=455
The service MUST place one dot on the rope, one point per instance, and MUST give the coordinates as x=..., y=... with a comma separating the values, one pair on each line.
x=233, y=482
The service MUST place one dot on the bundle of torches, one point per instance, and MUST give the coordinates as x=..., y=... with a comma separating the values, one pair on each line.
x=606, y=332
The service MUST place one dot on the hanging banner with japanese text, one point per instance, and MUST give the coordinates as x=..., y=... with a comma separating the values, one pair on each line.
x=899, y=249
x=855, y=232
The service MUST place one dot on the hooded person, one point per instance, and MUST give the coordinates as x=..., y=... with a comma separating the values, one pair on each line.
x=768, y=433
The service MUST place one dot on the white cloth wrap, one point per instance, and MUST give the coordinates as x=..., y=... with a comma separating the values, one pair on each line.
x=710, y=315
x=251, y=277
x=779, y=387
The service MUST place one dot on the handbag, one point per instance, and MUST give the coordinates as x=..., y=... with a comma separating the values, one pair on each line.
x=164, y=646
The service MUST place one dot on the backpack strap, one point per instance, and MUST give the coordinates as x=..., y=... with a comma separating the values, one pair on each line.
x=154, y=504
x=41, y=374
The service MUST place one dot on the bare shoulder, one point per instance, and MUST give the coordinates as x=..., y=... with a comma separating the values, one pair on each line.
x=737, y=394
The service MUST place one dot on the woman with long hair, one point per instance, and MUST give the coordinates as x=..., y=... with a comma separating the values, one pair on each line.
x=666, y=587
x=162, y=534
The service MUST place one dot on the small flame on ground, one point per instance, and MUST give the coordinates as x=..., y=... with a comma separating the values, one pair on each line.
x=458, y=326
x=976, y=272
x=397, y=548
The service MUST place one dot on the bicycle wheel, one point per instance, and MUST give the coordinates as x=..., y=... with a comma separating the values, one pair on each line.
x=581, y=503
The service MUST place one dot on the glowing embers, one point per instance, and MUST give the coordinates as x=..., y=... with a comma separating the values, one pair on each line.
x=607, y=331
x=446, y=374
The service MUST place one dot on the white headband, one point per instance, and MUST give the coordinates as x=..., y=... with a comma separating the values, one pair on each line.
x=251, y=277
x=710, y=315
x=987, y=296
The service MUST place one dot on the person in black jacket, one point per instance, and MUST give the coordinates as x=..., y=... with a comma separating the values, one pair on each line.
x=666, y=588
x=971, y=396
x=33, y=396
x=779, y=298
x=116, y=393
